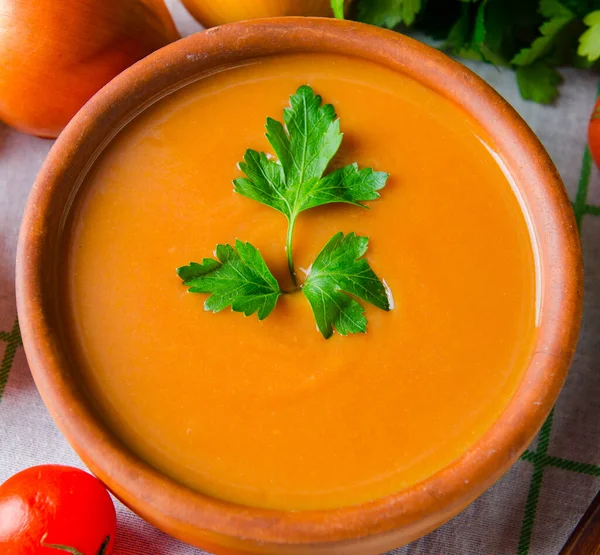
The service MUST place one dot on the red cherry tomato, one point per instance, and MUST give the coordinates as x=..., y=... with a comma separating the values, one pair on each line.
x=594, y=134
x=49, y=509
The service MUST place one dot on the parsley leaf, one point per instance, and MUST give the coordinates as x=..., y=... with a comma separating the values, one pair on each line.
x=305, y=146
x=458, y=35
x=589, y=42
x=538, y=82
x=314, y=137
x=239, y=279
x=337, y=6
x=486, y=36
x=347, y=184
x=474, y=35
x=558, y=18
x=388, y=13
x=296, y=182
x=338, y=272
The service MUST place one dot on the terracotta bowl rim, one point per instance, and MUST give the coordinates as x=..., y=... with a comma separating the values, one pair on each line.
x=151, y=493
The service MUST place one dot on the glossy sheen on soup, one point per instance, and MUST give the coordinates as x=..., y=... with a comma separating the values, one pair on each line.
x=270, y=414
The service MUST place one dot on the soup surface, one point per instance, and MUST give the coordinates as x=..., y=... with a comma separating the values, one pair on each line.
x=269, y=413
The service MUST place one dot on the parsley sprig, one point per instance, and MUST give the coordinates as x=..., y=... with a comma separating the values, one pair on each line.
x=534, y=37
x=297, y=181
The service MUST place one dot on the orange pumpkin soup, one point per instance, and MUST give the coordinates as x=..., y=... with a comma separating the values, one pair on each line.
x=269, y=413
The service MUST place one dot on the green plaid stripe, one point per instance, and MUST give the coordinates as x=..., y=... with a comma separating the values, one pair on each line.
x=593, y=210
x=544, y=460
x=13, y=341
x=540, y=458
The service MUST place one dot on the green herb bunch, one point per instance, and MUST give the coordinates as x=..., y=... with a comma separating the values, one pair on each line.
x=297, y=181
x=534, y=37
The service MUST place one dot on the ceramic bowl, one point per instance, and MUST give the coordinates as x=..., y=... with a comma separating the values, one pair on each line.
x=372, y=527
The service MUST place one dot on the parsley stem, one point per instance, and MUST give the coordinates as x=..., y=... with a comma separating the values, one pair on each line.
x=288, y=249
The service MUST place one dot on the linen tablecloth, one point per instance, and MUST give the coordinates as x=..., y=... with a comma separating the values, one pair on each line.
x=532, y=509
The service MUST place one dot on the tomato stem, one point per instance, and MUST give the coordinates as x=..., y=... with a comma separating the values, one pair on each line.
x=104, y=546
x=72, y=550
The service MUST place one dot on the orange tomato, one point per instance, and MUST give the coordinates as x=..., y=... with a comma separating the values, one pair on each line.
x=54, y=55
x=211, y=13
x=594, y=133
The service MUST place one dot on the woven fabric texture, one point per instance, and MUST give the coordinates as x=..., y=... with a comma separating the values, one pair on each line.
x=532, y=509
